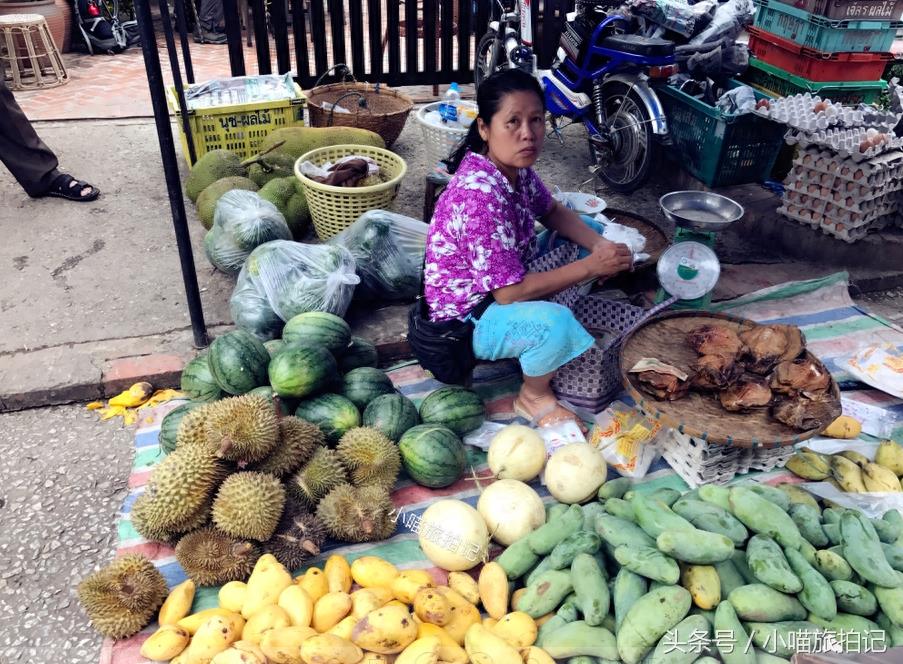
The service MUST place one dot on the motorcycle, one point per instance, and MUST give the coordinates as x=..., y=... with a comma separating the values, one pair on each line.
x=603, y=77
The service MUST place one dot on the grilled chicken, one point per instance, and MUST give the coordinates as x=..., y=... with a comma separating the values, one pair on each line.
x=715, y=340
x=796, y=342
x=806, y=375
x=765, y=346
x=746, y=394
x=804, y=414
x=663, y=385
x=716, y=372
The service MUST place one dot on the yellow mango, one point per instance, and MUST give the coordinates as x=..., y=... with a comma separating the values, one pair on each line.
x=269, y=617
x=704, y=585
x=493, y=584
x=297, y=604
x=844, y=427
x=331, y=608
x=282, y=645
x=515, y=596
x=542, y=620
x=177, y=604
x=464, y=615
x=388, y=630
x=534, y=655
x=267, y=581
x=395, y=602
x=421, y=651
x=363, y=602
x=484, y=647
x=212, y=638
x=464, y=584
x=408, y=582
x=376, y=658
x=430, y=606
x=232, y=596
x=338, y=574
x=241, y=652
x=344, y=628
x=166, y=643
x=192, y=623
x=314, y=583
x=489, y=622
x=330, y=649
x=517, y=628
x=384, y=595
x=369, y=571
x=449, y=650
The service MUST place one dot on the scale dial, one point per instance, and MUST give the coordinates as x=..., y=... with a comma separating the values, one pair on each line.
x=688, y=270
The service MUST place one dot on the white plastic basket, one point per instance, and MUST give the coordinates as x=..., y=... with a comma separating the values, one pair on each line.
x=439, y=141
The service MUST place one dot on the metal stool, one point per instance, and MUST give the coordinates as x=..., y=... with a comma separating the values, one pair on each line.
x=29, y=53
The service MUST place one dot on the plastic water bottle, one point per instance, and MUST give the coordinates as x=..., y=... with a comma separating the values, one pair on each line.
x=448, y=109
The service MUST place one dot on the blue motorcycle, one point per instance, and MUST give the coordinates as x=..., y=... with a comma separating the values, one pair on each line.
x=603, y=77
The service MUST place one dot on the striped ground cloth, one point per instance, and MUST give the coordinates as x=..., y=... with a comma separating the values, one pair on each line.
x=833, y=325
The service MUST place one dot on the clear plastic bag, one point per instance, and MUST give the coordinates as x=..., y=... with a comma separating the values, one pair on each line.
x=676, y=15
x=627, y=440
x=388, y=250
x=738, y=101
x=292, y=278
x=249, y=220
x=730, y=19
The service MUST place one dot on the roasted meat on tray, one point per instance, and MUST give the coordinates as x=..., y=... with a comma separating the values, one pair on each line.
x=746, y=394
x=804, y=413
x=715, y=340
x=805, y=376
x=764, y=347
x=716, y=372
x=663, y=381
x=796, y=342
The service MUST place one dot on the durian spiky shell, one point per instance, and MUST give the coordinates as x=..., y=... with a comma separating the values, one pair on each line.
x=211, y=558
x=370, y=457
x=244, y=429
x=193, y=428
x=297, y=440
x=358, y=514
x=322, y=473
x=145, y=523
x=122, y=598
x=249, y=505
x=298, y=537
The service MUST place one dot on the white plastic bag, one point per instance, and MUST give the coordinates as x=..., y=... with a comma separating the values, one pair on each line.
x=242, y=222
x=292, y=278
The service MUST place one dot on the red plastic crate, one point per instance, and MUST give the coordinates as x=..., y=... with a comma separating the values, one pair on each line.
x=815, y=65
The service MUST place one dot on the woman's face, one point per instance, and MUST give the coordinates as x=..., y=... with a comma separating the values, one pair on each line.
x=515, y=134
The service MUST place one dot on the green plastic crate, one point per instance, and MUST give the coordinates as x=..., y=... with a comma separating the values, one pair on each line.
x=776, y=82
x=718, y=149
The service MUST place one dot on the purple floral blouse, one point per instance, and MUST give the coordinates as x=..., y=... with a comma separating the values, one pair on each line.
x=481, y=235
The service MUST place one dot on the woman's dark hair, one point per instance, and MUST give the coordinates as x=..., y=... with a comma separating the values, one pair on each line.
x=489, y=97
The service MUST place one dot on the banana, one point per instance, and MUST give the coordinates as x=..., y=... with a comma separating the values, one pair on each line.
x=857, y=458
x=847, y=474
x=880, y=479
x=809, y=466
x=890, y=455
x=166, y=643
x=177, y=604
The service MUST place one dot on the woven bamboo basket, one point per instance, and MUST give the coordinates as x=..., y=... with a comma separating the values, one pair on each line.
x=380, y=109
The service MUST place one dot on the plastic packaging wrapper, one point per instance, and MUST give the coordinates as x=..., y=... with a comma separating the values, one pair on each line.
x=388, y=251
x=730, y=19
x=737, y=101
x=676, y=15
x=240, y=90
x=242, y=222
x=560, y=434
x=627, y=440
x=288, y=278
x=483, y=436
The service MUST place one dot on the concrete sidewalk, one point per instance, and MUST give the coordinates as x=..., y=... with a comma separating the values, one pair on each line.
x=92, y=298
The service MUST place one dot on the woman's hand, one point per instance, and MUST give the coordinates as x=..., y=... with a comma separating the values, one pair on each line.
x=608, y=259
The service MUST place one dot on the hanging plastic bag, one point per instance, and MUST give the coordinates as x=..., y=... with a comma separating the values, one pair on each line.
x=730, y=19
x=675, y=15
x=388, y=251
x=242, y=221
x=293, y=278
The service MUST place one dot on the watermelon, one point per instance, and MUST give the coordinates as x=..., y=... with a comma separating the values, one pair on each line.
x=286, y=405
x=393, y=414
x=273, y=346
x=238, y=361
x=198, y=381
x=169, y=426
x=364, y=384
x=457, y=408
x=317, y=327
x=359, y=353
x=299, y=371
x=333, y=413
x=432, y=455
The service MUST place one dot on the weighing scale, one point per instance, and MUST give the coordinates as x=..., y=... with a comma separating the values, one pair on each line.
x=689, y=269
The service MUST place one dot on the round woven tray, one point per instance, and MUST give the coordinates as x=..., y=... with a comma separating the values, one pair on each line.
x=656, y=239
x=385, y=113
x=700, y=415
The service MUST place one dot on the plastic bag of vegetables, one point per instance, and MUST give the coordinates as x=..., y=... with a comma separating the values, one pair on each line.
x=242, y=221
x=388, y=249
x=281, y=279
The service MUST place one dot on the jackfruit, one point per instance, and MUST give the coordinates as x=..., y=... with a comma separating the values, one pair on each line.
x=318, y=477
x=243, y=428
x=287, y=195
x=297, y=441
x=370, y=457
x=212, y=558
x=122, y=598
x=299, y=140
x=208, y=198
x=213, y=166
x=271, y=167
x=358, y=514
x=249, y=504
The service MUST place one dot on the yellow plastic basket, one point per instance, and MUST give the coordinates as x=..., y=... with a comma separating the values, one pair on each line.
x=237, y=127
x=333, y=209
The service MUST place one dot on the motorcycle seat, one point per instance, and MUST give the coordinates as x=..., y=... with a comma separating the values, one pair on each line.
x=639, y=45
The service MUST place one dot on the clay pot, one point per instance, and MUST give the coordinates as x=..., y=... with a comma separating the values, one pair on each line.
x=57, y=13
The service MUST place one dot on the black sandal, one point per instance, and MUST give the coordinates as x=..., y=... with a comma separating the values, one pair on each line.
x=66, y=186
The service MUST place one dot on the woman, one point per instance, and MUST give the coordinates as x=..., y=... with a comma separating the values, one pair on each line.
x=482, y=235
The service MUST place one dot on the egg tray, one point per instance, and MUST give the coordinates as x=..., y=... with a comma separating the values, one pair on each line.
x=796, y=111
x=873, y=172
x=823, y=216
x=846, y=142
x=840, y=230
x=798, y=193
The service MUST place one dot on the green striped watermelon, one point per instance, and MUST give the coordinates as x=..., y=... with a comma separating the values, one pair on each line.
x=299, y=371
x=169, y=426
x=198, y=381
x=286, y=405
x=393, y=414
x=333, y=413
x=238, y=361
x=364, y=384
x=359, y=353
x=273, y=346
x=432, y=455
x=317, y=327
x=459, y=409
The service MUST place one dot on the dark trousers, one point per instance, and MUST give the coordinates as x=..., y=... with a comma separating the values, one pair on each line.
x=31, y=162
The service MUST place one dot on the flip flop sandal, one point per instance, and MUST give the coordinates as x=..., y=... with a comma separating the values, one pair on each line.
x=66, y=186
x=535, y=420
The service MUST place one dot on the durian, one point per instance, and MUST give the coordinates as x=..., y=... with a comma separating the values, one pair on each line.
x=298, y=536
x=212, y=558
x=122, y=598
x=358, y=514
x=249, y=504
x=318, y=477
x=370, y=457
x=242, y=429
x=297, y=441
x=144, y=521
x=193, y=427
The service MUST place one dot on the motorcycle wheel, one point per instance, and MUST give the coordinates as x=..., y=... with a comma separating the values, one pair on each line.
x=633, y=146
x=490, y=57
